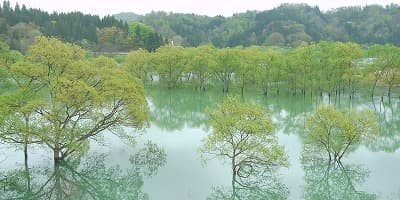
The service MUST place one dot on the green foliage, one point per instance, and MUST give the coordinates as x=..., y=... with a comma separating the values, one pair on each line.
x=22, y=35
x=337, y=132
x=324, y=68
x=169, y=63
x=79, y=99
x=275, y=39
x=244, y=134
x=203, y=60
x=137, y=64
x=385, y=67
x=21, y=26
x=285, y=25
x=128, y=16
x=228, y=62
x=251, y=59
x=7, y=58
x=143, y=36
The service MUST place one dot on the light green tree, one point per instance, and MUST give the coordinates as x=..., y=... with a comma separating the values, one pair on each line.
x=137, y=64
x=79, y=99
x=345, y=56
x=324, y=67
x=202, y=61
x=336, y=132
x=304, y=61
x=228, y=62
x=251, y=58
x=385, y=67
x=169, y=64
x=16, y=102
x=269, y=69
x=243, y=134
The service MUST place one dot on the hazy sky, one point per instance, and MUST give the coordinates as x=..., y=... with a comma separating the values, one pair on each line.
x=204, y=7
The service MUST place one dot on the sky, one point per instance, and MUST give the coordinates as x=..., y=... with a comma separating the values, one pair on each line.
x=201, y=7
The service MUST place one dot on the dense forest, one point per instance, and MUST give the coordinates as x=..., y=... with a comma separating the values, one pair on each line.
x=286, y=25
x=19, y=26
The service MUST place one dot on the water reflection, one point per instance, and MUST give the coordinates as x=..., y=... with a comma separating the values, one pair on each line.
x=91, y=178
x=388, y=116
x=326, y=179
x=267, y=186
x=174, y=109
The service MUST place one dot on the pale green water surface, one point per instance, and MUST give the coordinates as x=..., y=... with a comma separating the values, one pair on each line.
x=170, y=168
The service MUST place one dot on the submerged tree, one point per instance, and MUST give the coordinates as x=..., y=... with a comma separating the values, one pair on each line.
x=79, y=99
x=385, y=67
x=243, y=133
x=169, y=63
x=16, y=103
x=336, y=132
x=228, y=63
x=136, y=63
x=202, y=60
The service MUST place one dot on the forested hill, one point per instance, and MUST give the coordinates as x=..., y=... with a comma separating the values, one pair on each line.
x=287, y=25
x=19, y=26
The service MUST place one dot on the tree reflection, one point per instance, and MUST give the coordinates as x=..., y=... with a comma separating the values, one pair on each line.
x=266, y=185
x=326, y=179
x=389, y=124
x=174, y=109
x=91, y=178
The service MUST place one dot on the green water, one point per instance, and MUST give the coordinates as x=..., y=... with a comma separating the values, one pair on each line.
x=170, y=166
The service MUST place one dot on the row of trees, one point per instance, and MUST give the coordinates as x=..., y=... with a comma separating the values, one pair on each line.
x=19, y=26
x=286, y=25
x=323, y=67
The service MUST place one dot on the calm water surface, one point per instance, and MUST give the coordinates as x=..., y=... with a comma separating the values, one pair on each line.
x=171, y=168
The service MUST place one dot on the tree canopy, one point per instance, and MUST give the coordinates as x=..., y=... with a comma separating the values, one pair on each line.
x=243, y=134
x=336, y=132
x=76, y=99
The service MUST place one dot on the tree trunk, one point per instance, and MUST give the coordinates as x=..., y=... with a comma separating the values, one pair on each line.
x=26, y=150
x=389, y=91
x=373, y=88
x=28, y=177
x=266, y=90
x=277, y=90
x=57, y=156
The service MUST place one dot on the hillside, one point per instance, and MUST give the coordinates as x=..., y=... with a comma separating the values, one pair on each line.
x=19, y=26
x=128, y=17
x=286, y=25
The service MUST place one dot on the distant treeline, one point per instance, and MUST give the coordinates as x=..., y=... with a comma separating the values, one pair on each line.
x=286, y=25
x=19, y=26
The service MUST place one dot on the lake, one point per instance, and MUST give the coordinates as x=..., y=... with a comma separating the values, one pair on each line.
x=170, y=166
